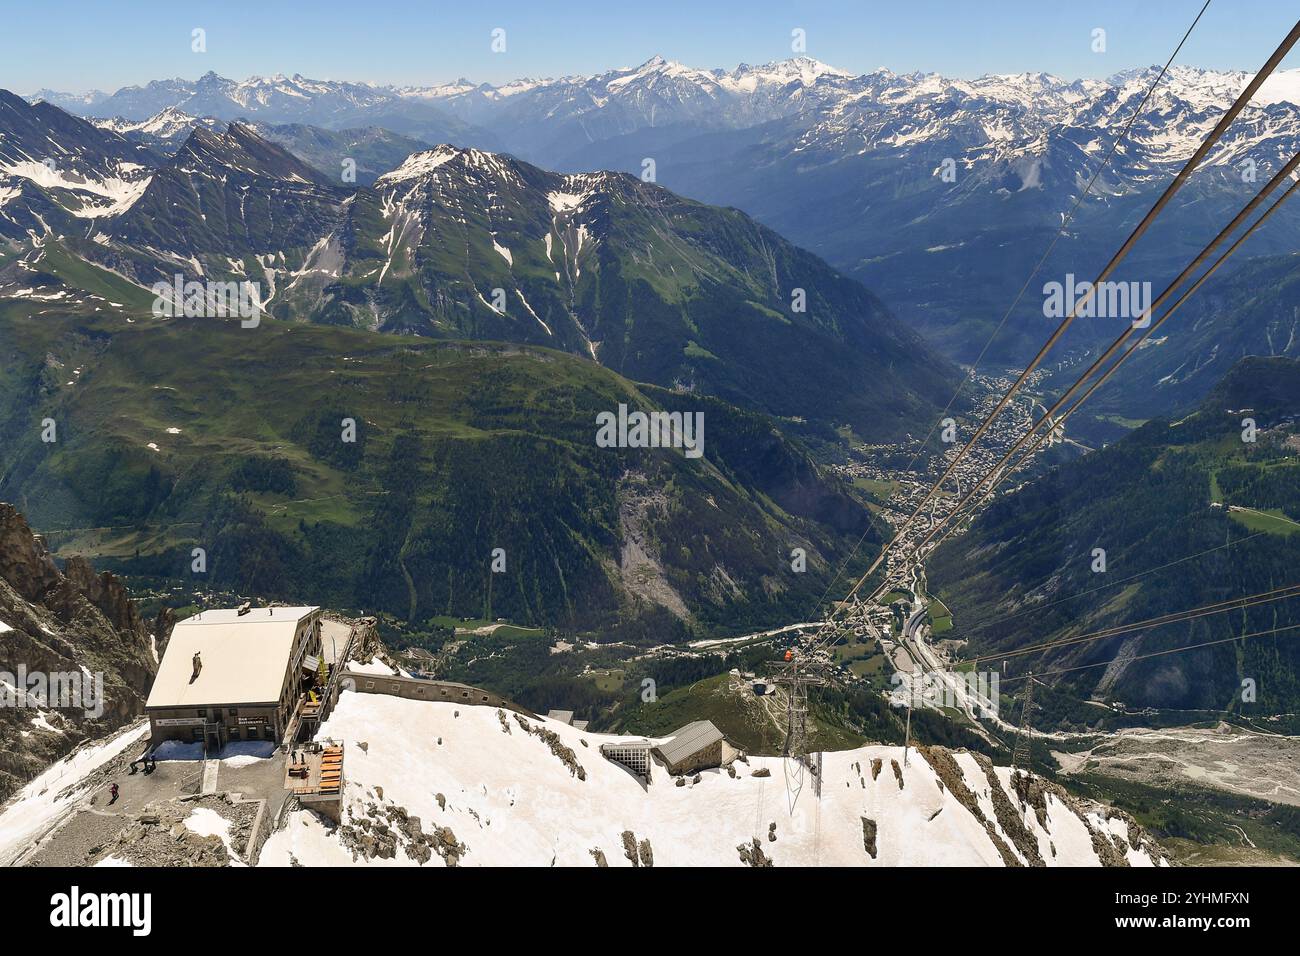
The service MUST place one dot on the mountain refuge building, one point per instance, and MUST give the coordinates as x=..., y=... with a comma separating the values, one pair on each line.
x=238, y=674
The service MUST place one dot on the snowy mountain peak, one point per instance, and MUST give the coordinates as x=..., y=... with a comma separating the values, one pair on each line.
x=166, y=124
x=803, y=69
x=655, y=69
x=433, y=165
x=418, y=165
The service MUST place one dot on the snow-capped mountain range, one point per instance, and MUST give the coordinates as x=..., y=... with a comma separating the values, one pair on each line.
x=298, y=94
x=663, y=92
x=937, y=193
x=167, y=124
x=757, y=136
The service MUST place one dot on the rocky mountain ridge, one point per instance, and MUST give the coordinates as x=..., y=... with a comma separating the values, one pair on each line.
x=70, y=621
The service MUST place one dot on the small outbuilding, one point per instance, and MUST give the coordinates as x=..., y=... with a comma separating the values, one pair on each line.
x=631, y=753
x=696, y=746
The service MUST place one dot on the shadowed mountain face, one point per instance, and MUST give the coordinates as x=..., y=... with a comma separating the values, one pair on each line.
x=355, y=155
x=230, y=194
x=72, y=623
x=1194, y=489
x=1254, y=310
x=664, y=290
x=58, y=173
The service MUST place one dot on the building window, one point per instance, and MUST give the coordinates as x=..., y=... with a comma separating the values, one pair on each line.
x=370, y=685
x=234, y=711
x=201, y=713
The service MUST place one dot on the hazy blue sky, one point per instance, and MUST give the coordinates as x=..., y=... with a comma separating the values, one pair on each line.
x=82, y=44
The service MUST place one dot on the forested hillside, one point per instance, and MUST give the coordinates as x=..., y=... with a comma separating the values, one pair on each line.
x=201, y=434
x=1188, y=513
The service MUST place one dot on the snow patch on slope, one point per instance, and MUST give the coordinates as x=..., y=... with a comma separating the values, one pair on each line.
x=107, y=197
x=420, y=164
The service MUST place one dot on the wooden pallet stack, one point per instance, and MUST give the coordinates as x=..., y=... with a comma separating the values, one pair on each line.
x=331, y=769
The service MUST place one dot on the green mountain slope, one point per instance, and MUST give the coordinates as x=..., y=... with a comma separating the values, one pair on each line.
x=1024, y=572
x=198, y=433
x=462, y=243
x=1253, y=310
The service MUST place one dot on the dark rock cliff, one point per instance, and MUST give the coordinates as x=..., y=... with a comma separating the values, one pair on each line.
x=74, y=623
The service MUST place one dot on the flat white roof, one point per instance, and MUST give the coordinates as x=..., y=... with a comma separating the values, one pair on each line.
x=244, y=658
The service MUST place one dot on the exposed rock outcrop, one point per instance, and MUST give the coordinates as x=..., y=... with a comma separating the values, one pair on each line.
x=1027, y=792
x=158, y=836
x=163, y=624
x=869, y=836
x=381, y=829
x=1008, y=818
x=552, y=740
x=1033, y=792
x=73, y=622
x=629, y=847
x=751, y=854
